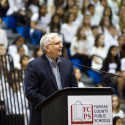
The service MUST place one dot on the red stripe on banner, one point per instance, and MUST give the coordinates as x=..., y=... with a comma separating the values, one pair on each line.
x=71, y=115
x=92, y=113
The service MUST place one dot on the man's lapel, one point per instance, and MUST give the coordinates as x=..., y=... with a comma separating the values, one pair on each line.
x=61, y=69
x=49, y=70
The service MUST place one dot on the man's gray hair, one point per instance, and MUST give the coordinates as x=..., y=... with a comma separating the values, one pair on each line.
x=46, y=40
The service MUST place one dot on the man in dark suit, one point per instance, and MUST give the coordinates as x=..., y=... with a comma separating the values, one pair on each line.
x=47, y=74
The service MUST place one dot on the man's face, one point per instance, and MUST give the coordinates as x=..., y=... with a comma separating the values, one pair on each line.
x=54, y=49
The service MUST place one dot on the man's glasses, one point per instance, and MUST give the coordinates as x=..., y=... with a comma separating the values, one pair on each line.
x=58, y=43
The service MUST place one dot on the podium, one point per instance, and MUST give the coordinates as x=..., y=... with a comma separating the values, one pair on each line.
x=70, y=106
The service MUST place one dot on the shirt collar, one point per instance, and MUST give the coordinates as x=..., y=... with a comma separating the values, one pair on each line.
x=53, y=63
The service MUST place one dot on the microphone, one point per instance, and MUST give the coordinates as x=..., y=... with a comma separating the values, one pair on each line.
x=107, y=78
x=96, y=70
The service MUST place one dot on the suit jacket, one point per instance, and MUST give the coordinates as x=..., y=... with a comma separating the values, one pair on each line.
x=40, y=82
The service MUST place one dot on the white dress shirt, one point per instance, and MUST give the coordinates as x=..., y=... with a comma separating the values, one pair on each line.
x=3, y=38
x=120, y=114
x=80, y=45
x=102, y=52
x=98, y=13
x=109, y=40
x=123, y=64
x=15, y=5
x=42, y=22
x=69, y=31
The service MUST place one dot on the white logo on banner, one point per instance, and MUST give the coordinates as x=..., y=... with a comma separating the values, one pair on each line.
x=89, y=110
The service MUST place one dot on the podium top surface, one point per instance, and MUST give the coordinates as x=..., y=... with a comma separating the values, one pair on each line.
x=78, y=91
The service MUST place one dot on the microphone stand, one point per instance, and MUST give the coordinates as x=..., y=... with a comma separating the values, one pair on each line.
x=97, y=70
x=107, y=78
